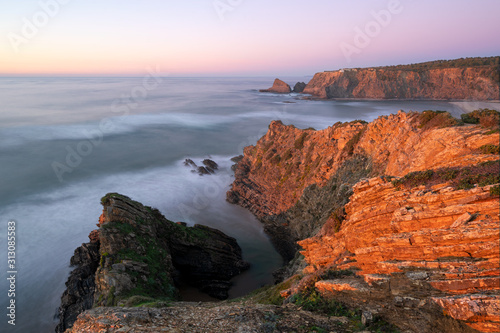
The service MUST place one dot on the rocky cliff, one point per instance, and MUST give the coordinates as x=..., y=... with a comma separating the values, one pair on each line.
x=418, y=247
x=418, y=255
x=291, y=172
x=472, y=83
x=138, y=256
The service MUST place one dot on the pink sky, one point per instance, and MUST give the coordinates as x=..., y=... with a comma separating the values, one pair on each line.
x=239, y=37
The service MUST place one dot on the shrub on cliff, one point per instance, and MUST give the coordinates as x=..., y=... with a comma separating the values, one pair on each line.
x=436, y=119
x=299, y=142
x=490, y=149
x=485, y=117
x=482, y=174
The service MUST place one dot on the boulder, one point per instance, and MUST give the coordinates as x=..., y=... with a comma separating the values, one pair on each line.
x=299, y=87
x=279, y=87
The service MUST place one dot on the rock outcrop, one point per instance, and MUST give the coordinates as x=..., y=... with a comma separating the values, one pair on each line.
x=279, y=87
x=141, y=256
x=209, y=167
x=420, y=255
x=299, y=87
x=469, y=83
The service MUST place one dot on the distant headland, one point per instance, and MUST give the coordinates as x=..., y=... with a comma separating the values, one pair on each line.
x=459, y=79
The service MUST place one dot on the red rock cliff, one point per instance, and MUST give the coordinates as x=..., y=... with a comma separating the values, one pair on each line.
x=473, y=83
x=413, y=250
x=274, y=173
x=424, y=256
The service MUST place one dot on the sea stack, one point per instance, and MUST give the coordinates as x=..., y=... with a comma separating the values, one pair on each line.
x=279, y=87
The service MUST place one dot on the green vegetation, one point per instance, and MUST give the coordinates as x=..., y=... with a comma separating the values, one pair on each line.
x=495, y=190
x=124, y=228
x=486, y=117
x=311, y=300
x=482, y=174
x=490, y=149
x=436, y=119
x=271, y=294
x=336, y=274
x=143, y=301
x=105, y=199
x=456, y=63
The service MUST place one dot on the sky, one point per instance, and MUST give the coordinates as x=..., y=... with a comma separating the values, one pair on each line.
x=238, y=37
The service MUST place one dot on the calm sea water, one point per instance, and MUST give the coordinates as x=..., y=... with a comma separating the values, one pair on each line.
x=66, y=142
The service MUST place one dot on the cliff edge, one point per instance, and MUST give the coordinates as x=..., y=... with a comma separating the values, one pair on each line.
x=466, y=82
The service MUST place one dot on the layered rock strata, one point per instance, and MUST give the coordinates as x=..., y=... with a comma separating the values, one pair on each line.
x=80, y=287
x=421, y=256
x=283, y=178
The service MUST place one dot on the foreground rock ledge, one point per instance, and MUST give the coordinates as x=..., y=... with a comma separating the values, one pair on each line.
x=207, y=317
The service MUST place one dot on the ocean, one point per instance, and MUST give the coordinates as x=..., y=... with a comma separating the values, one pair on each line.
x=66, y=142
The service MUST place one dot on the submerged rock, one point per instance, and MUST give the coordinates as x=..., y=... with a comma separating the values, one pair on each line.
x=204, y=171
x=279, y=87
x=210, y=164
x=190, y=162
x=208, y=167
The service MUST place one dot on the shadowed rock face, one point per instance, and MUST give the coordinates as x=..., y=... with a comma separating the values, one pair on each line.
x=139, y=253
x=279, y=87
x=80, y=287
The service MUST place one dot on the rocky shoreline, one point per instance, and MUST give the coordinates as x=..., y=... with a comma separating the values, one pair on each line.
x=397, y=219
